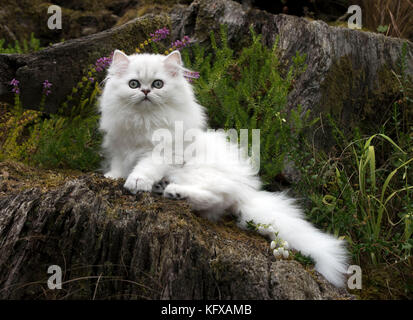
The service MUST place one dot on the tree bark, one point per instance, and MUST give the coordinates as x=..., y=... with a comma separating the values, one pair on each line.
x=113, y=245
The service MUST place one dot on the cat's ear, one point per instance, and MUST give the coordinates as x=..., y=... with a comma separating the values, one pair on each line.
x=173, y=62
x=120, y=62
x=174, y=58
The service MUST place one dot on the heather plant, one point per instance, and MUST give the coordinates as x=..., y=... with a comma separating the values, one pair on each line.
x=68, y=139
x=26, y=46
x=249, y=91
x=56, y=141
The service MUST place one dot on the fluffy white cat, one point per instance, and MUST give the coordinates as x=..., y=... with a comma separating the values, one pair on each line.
x=145, y=93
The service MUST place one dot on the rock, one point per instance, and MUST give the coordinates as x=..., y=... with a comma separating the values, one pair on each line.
x=64, y=64
x=113, y=245
x=326, y=10
x=32, y=16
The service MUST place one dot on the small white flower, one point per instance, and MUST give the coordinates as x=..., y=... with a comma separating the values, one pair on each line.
x=271, y=229
x=276, y=253
x=286, y=245
x=286, y=254
x=273, y=245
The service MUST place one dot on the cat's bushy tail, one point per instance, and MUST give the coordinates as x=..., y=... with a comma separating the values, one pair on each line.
x=279, y=211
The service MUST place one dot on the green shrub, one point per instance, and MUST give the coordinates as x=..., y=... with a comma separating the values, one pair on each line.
x=249, y=91
x=69, y=139
x=69, y=143
x=32, y=45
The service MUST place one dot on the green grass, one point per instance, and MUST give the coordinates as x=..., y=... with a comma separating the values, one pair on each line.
x=363, y=190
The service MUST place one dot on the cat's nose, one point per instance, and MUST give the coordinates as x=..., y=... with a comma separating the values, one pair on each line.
x=145, y=91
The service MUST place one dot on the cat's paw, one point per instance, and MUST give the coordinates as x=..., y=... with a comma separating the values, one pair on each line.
x=137, y=184
x=112, y=175
x=160, y=186
x=174, y=191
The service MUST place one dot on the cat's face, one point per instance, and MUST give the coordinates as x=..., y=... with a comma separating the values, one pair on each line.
x=145, y=81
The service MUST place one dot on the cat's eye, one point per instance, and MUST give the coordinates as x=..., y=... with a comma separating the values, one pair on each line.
x=157, y=84
x=134, y=84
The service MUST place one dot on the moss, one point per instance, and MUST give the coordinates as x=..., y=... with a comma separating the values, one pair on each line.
x=135, y=33
x=143, y=9
x=349, y=98
x=343, y=24
x=32, y=177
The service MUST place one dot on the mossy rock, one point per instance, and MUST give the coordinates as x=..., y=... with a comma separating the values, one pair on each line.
x=79, y=17
x=64, y=64
x=347, y=97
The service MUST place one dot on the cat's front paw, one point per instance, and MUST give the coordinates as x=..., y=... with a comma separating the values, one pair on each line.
x=136, y=184
x=174, y=191
x=112, y=175
x=159, y=187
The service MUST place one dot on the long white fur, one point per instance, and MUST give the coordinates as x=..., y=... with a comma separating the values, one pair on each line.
x=228, y=183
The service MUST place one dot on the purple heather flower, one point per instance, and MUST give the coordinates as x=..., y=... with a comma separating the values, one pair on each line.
x=180, y=44
x=46, y=84
x=102, y=63
x=160, y=34
x=191, y=74
x=46, y=87
x=91, y=79
x=15, y=83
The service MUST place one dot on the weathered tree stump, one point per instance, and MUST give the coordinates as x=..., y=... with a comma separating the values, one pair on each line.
x=113, y=245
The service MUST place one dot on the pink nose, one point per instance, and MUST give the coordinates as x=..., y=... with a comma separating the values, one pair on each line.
x=146, y=91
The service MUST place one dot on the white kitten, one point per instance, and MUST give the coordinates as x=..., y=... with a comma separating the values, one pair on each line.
x=143, y=93
x=211, y=187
